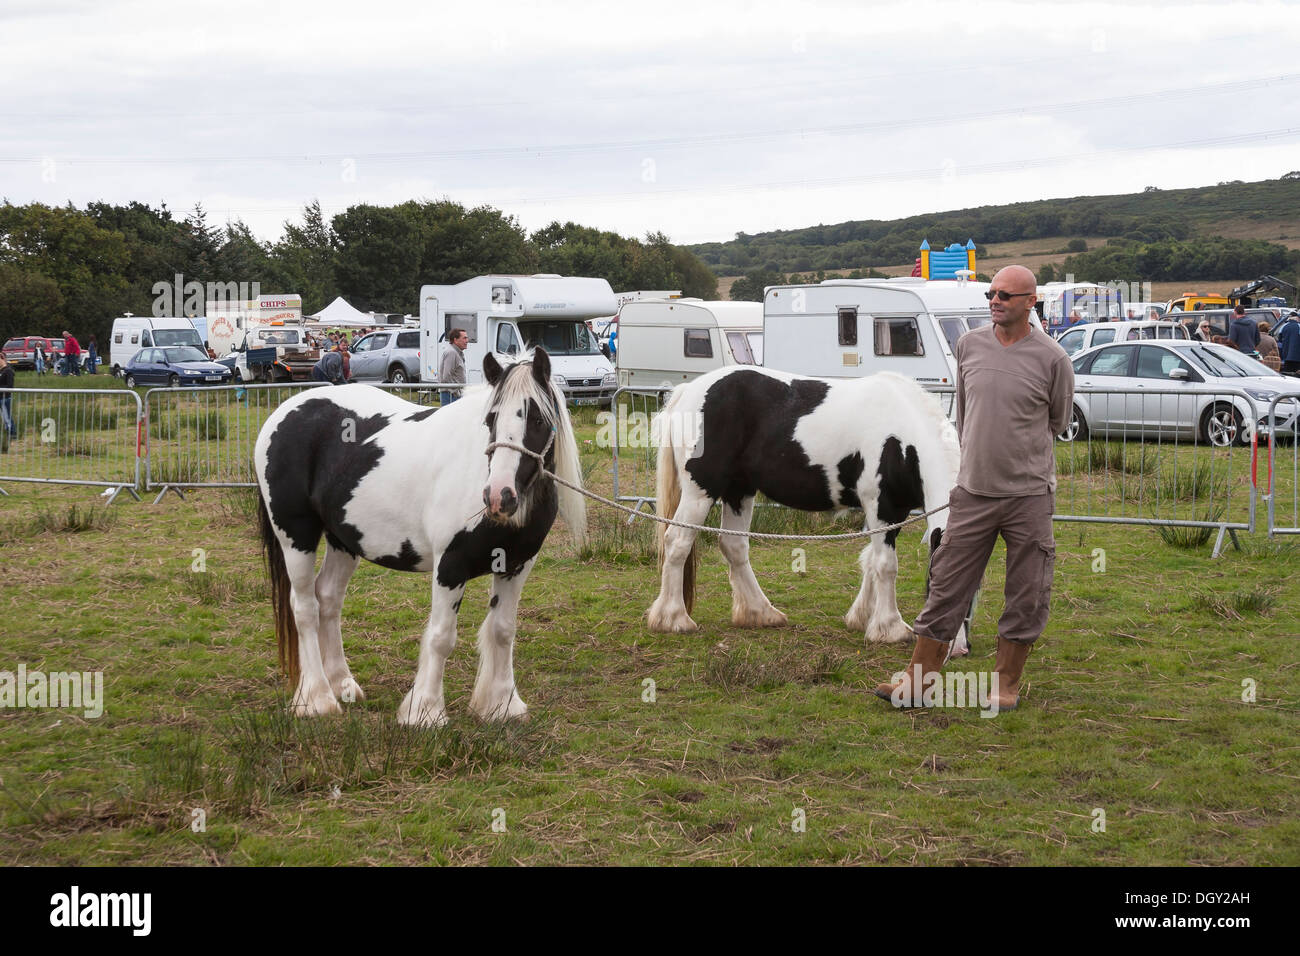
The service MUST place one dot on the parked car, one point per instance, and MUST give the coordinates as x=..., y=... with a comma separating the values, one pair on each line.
x=21, y=350
x=391, y=355
x=1089, y=334
x=1201, y=410
x=175, y=365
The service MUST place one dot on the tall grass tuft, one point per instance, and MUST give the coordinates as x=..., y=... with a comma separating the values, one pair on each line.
x=1187, y=537
x=74, y=519
x=1121, y=457
x=1235, y=606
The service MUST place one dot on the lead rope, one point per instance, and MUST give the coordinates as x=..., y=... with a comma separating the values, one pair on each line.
x=845, y=536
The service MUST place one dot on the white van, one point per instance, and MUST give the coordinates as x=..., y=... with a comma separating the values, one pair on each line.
x=1087, y=334
x=670, y=341
x=509, y=314
x=131, y=333
x=844, y=328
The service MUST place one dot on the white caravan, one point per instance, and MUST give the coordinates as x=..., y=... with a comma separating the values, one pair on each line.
x=843, y=328
x=509, y=314
x=664, y=342
x=131, y=333
x=228, y=320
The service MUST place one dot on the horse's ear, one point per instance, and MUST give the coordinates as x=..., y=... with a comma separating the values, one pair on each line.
x=491, y=369
x=542, y=367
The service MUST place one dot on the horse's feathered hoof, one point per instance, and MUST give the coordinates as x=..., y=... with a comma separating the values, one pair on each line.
x=758, y=617
x=670, y=622
x=315, y=705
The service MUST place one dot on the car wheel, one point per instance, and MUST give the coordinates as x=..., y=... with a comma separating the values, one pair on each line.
x=1076, y=429
x=130, y=380
x=1221, y=425
x=397, y=375
x=173, y=380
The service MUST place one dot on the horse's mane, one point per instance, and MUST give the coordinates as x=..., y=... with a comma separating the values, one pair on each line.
x=523, y=385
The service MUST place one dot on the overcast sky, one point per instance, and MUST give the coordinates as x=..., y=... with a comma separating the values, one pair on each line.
x=695, y=119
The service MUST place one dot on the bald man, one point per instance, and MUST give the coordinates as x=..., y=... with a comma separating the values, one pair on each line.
x=1015, y=386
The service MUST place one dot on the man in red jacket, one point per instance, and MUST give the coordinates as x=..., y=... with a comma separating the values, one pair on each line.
x=71, y=349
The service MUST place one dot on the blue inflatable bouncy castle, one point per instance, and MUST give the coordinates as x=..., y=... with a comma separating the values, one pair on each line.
x=945, y=263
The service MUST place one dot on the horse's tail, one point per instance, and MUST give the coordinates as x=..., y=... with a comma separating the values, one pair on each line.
x=286, y=628
x=668, y=495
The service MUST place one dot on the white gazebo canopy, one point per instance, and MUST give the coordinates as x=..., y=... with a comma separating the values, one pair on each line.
x=339, y=312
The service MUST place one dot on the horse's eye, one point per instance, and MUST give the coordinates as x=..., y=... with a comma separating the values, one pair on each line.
x=491, y=420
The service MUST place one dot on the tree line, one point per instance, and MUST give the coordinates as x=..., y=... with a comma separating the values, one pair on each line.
x=66, y=267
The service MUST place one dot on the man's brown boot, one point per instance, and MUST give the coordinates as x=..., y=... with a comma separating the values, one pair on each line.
x=928, y=656
x=1010, y=665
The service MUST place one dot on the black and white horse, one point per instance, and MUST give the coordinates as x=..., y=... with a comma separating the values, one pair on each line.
x=406, y=487
x=880, y=443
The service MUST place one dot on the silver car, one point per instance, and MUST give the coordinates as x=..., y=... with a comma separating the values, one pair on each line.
x=390, y=355
x=1178, y=390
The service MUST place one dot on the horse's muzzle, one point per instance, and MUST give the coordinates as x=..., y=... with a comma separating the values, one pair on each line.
x=505, y=505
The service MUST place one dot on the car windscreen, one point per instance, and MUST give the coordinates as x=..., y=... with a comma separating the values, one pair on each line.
x=186, y=354
x=560, y=337
x=177, y=337
x=15, y=344
x=1223, y=362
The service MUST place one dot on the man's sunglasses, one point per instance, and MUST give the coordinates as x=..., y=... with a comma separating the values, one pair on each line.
x=1005, y=296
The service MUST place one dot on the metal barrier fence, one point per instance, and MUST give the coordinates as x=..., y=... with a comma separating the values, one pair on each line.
x=1160, y=456
x=72, y=436
x=203, y=436
x=633, y=451
x=1282, y=471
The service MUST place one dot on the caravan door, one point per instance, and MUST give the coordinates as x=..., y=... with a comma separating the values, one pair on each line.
x=430, y=343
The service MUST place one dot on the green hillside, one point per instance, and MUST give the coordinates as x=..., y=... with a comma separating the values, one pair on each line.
x=1227, y=209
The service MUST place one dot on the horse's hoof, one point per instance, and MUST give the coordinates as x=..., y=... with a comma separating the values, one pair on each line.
x=897, y=633
x=758, y=617
x=855, y=620
x=315, y=705
x=512, y=709
x=421, y=714
x=678, y=622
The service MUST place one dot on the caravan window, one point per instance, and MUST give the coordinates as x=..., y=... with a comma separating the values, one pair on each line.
x=849, y=326
x=144, y=338
x=188, y=336
x=117, y=338
x=697, y=344
x=898, y=336
x=501, y=296
x=953, y=329
x=507, y=341
x=740, y=348
x=460, y=320
x=756, y=346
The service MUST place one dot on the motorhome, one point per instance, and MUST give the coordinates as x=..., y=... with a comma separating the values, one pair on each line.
x=230, y=319
x=131, y=333
x=844, y=328
x=509, y=314
x=664, y=342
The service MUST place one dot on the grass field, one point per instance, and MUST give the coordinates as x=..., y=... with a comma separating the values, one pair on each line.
x=1133, y=707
